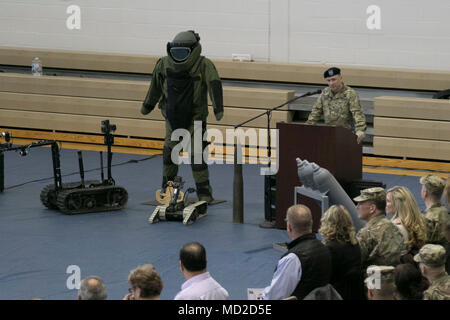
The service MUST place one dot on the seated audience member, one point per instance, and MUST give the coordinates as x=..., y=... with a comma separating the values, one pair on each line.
x=327, y=292
x=447, y=249
x=402, y=206
x=380, y=241
x=447, y=195
x=447, y=200
x=145, y=284
x=436, y=215
x=447, y=232
x=92, y=288
x=431, y=259
x=307, y=263
x=338, y=235
x=199, y=284
x=409, y=282
x=437, y=218
x=380, y=283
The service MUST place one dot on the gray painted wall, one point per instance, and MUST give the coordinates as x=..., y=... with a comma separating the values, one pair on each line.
x=412, y=35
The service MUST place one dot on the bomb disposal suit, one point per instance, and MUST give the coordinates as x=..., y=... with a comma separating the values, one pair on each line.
x=181, y=82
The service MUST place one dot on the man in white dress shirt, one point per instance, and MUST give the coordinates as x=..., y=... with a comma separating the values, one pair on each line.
x=199, y=284
x=307, y=263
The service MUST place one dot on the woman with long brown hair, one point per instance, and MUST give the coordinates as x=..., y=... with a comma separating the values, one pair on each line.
x=338, y=234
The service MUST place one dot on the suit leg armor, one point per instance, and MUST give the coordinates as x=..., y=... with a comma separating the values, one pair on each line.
x=200, y=172
x=170, y=169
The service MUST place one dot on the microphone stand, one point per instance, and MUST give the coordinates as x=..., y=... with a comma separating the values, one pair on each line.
x=238, y=193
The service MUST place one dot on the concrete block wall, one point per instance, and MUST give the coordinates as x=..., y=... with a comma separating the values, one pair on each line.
x=413, y=34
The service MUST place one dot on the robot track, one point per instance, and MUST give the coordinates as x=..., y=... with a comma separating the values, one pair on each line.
x=49, y=197
x=73, y=200
x=103, y=198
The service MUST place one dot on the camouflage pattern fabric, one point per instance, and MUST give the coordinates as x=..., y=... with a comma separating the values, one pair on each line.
x=385, y=273
x=433, y=184
x=381, y=243
x=374, y=194
x=439, y=289
x=341, y=109
x=431, y=255
x=436, y=219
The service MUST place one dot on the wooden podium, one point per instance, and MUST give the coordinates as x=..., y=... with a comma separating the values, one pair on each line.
x=332, y=148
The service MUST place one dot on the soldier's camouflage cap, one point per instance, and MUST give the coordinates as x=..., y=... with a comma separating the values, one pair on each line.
x=383, y=273
x=331, y=72
x=376, y=193
x=432, y=255
x=433, y=183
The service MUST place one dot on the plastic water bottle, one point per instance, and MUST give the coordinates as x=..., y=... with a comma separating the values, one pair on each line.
x=36, y=67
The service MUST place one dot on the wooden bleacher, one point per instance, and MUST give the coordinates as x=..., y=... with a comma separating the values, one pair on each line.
x=412, y=128
x=69, y=109
x=65, y=108
x=262, y=71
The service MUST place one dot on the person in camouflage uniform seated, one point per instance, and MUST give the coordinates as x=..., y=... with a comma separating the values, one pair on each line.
x=431, y=259
x=447, y=199
x=181, y=82
x=339, y=104
x=380, y=283
x=436, y=215
x=380, y=240
x=447, y=194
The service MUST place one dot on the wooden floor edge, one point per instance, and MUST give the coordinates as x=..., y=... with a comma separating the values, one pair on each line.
x=370, y=164
x=401, y=172
x=406, y=164
x=95, y=147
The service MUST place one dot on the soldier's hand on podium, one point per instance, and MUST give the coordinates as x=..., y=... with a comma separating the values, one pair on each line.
x=360, y=136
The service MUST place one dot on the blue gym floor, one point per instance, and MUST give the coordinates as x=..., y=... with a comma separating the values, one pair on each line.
x=37, y=245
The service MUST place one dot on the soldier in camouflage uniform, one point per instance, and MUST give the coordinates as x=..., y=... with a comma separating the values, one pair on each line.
x=339, y=104
x=447, y=194
x=181, y=82
x=380, y=282
x=431, y=259
x=436, y=215
x=380, y=240
x=447, y=199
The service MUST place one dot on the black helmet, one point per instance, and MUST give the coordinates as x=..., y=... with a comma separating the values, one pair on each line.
x=182, y=45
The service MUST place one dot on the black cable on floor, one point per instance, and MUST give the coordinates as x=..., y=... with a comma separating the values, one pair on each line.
x=77, y=172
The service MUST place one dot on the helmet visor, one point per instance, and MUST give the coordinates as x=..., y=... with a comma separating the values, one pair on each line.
x=180, y=54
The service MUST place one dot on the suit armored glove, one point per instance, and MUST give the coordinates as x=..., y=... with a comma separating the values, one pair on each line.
x=219, y=115
x=146, y=110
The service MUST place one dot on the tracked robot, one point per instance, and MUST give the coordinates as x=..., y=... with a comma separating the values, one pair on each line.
x=81, y=196
x=174, y=205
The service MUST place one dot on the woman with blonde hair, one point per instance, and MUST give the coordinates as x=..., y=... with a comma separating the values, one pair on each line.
x=402, y=206
x=338, y=234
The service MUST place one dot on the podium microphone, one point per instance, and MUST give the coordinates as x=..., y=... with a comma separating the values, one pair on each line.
x=319, y=91
x=238, y=194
